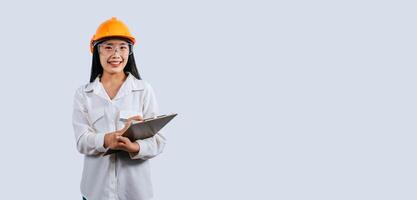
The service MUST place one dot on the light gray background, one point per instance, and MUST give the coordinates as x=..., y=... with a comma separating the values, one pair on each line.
x=276, y=100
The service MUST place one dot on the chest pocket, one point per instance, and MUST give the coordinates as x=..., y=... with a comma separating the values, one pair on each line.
x=97, y=119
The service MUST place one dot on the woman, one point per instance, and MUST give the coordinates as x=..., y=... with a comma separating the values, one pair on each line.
x=104, y=109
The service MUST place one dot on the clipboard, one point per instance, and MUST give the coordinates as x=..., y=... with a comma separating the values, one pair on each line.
x=144, y=129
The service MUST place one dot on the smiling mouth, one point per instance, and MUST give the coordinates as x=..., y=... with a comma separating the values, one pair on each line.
x=114, y=63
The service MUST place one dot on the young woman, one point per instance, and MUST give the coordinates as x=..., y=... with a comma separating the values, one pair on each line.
x=104, y=109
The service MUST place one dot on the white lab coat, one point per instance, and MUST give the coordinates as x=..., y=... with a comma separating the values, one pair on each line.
x=121, y=176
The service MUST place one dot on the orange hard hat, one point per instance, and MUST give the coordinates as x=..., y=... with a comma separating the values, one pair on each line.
x=111, y=28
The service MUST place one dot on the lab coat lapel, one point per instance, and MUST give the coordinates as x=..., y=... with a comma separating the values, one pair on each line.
x=96, y=88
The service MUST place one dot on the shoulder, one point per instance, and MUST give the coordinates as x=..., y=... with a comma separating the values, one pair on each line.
x=82, y=90
x=142, y=85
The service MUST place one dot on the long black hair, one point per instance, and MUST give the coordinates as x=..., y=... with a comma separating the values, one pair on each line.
x=97, y=69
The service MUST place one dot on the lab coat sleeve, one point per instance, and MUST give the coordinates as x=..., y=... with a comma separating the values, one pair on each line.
x=152, y=146
x=87, y=140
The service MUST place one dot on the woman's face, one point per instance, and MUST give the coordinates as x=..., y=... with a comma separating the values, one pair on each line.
x=114, y=54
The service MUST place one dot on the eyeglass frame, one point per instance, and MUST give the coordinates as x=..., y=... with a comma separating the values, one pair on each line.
x=114, y=50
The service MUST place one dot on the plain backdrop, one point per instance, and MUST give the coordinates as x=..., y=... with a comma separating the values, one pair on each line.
x=291, y=100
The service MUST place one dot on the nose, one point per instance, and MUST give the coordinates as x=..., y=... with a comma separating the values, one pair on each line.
x=116, y=54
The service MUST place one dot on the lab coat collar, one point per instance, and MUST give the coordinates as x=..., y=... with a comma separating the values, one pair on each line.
x=93, y=85
x=131, y=84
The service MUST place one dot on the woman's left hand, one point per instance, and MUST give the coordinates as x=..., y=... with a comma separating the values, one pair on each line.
x=126, y=145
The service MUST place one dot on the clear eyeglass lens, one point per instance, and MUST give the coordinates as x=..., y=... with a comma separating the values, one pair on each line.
x=108, y=49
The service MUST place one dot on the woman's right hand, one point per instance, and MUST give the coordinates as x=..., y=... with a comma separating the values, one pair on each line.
x=111, y=139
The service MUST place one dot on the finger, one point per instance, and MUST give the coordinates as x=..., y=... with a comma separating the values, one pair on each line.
x=119, y=138
x=122, y=146
x=127, y=125
x=124, y=140
x=137, y=118
x=129, y=122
